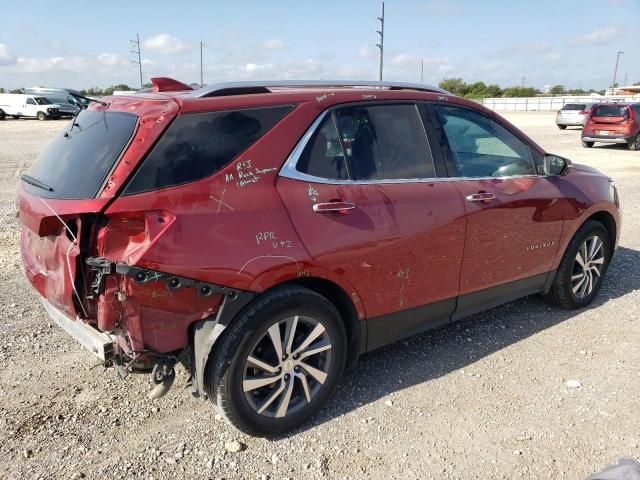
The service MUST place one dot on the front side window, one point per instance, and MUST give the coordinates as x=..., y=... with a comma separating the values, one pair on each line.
x=30, y=101
x=197, y=145
x=482, y=147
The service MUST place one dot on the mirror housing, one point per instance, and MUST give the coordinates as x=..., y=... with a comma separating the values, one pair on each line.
x=555, y=165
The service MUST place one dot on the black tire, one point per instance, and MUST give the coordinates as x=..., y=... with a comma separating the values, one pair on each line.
x=2, y=114
x=561, y=292
x=562, y=127
x=15, y=116
x=635, y=144
x=41, y=116
x=587, y=144
x=226, y=366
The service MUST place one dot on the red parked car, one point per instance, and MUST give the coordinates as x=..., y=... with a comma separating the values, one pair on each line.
x=613, y=123
x=267, y=234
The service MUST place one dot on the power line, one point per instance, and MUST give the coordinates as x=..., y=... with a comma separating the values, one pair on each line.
x=135, y=46
x=381, y=44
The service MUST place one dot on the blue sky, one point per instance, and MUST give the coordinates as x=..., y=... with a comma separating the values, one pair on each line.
x=81, y=44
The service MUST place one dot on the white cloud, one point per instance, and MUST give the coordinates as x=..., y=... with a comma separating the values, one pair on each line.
x=6, y=57
x=165, y=44
x=552, y=56
x=274, y=44
x=367, y=52
x=112, y=60
x=602, y=36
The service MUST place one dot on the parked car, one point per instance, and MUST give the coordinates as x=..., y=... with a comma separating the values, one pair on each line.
x=613, y=123
x=69, y=105
x=18, y=105
x=267, y=234
x=573, y=115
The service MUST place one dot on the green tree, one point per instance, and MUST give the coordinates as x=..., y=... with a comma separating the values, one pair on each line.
x=520, y=92
x=557, y=90
x=16, y=90
x=1, y=90
x=121, y=86
x=455, y=86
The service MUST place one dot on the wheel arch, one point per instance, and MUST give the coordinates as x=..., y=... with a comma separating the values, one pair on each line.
x=606, y=219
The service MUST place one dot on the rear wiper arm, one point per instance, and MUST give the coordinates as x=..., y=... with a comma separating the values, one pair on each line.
x=89, y=99
x=35, y=182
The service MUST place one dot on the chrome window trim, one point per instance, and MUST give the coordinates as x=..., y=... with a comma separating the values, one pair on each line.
x=289, y=170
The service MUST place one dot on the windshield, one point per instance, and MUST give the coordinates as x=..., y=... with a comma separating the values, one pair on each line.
x=76, y=163
x=574, y=106
x=611, y=111
x=42, y=101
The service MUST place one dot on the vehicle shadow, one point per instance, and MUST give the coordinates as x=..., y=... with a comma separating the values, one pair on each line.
x=436, y=353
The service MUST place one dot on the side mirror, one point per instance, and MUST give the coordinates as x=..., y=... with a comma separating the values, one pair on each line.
x=555, y=165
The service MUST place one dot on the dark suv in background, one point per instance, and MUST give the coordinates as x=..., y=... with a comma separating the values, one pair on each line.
x=267, y=234
x=613, y=123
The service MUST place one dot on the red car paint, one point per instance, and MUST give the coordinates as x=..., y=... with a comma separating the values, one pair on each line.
x=244, y=227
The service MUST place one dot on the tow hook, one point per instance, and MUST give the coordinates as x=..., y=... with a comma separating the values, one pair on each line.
x=162, y=377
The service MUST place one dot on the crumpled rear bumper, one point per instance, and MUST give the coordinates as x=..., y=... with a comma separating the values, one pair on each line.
x=101, y=344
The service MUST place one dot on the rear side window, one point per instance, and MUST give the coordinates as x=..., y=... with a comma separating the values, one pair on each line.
x=323, y=156
x=200, y=144
x=574, y=106
x=76, y=163
x=611, y=111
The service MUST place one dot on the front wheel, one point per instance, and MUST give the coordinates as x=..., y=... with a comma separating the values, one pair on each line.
x=2, y=114
x=278, y=363
x=562, y=127
x=41, y=116
x=587, y=144
x=635, y=143
x=582, y=269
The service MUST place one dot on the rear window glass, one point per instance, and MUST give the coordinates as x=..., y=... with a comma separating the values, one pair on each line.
x=76, y=163
x=199, y=144
x=323, y=156
x=611, y=111
x=574, y=106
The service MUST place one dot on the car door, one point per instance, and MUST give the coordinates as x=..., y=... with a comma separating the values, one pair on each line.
x=363, y=197
x=514, y=215
x=31, y=107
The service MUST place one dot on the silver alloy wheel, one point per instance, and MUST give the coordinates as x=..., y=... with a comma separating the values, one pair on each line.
x=587, y=268
x=287, y=366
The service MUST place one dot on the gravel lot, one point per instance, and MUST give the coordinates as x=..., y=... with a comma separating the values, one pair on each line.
x=485, y=398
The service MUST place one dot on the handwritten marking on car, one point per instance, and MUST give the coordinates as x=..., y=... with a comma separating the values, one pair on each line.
x=220, y=202
x=313, y=193
x=265, y=256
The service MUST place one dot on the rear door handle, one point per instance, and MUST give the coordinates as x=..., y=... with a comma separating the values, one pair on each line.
x=481, y=197
x=335, y=207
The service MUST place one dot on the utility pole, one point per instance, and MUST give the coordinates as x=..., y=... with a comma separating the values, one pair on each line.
x=422, y=70
x=135, y=50
x=381, y=44
x=615, y=71
x=523, y=80
x=201, y=74
x=626, y=77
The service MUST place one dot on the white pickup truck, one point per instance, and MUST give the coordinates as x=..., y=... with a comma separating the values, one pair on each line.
x=18, y=105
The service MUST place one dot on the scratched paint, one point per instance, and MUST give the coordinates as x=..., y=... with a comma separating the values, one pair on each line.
x=403, y=275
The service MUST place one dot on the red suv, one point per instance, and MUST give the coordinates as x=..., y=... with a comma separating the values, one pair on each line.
x=267, y=234
x=613, y=123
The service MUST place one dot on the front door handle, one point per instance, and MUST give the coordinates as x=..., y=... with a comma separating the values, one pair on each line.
x=481, y=197
x=333, y=207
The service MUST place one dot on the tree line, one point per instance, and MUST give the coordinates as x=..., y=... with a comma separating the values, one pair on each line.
x=457, y=86
x=476, y=90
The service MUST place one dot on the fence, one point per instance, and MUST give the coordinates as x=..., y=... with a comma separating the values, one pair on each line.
x=548, y=104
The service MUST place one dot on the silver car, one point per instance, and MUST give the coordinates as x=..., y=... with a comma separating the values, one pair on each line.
x=573, y=115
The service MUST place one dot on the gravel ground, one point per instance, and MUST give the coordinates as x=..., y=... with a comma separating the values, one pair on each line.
x=484, y=398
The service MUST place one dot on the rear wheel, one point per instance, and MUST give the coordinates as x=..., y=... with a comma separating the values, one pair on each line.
x=2, y=114
x=582, y=269
x=278, y=362
x=15, y=116
x=562, y=127
x=587, y=144
x=41, y=116
x=635, y=144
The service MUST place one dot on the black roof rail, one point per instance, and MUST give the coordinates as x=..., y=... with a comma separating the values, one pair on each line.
x=248, y=87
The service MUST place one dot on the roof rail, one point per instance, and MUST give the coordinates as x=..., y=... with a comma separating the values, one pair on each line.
x=242, y=88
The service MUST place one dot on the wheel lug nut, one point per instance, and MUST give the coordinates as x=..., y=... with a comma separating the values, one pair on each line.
x=296, y=368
